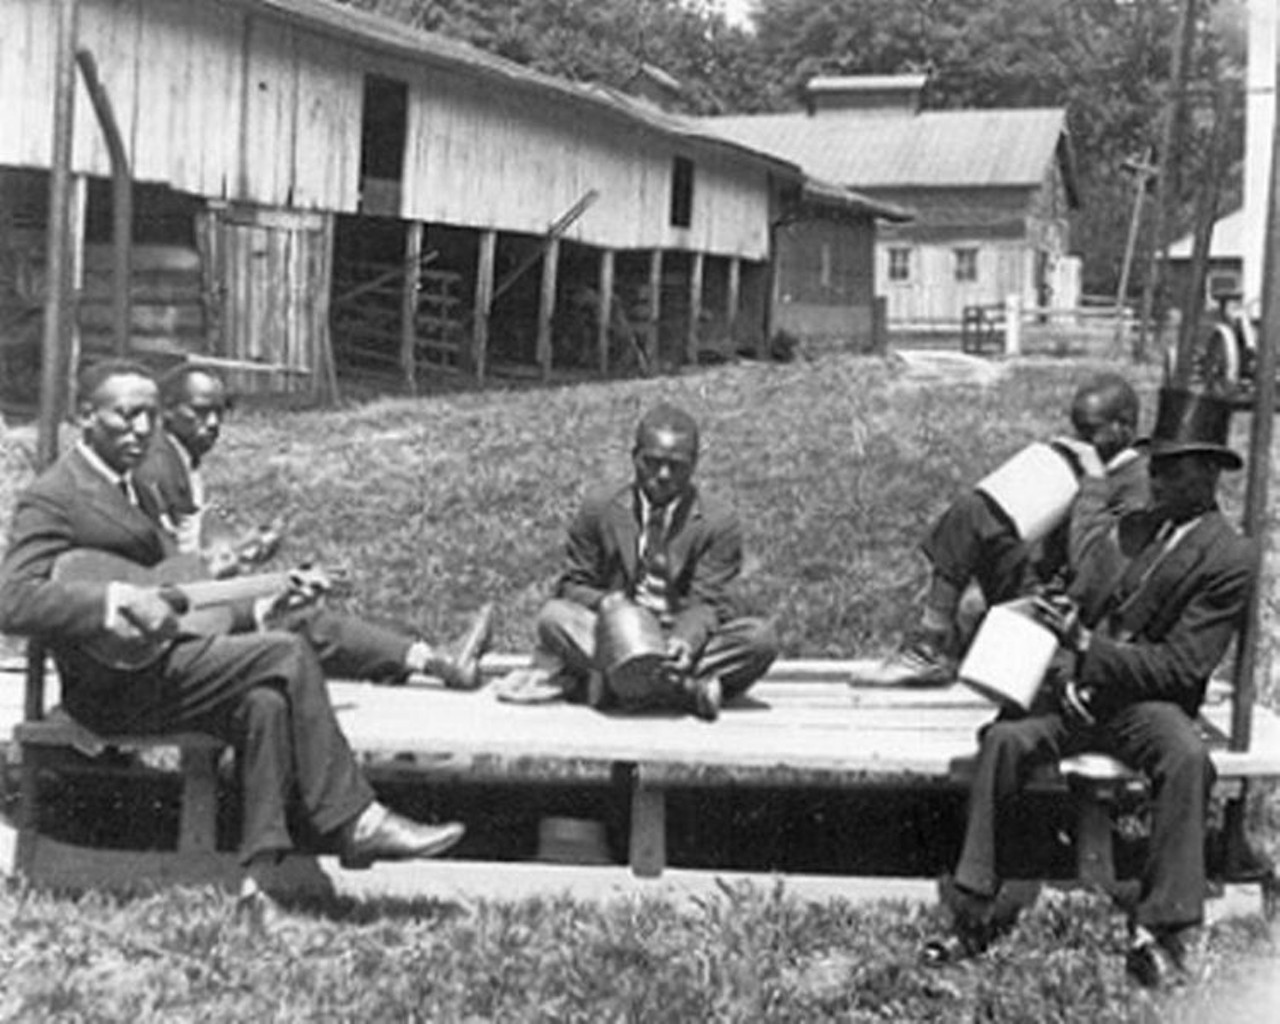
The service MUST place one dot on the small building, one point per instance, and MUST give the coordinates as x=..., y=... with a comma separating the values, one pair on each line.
x=992, y=191
x=316, y=187
x=1224, y=272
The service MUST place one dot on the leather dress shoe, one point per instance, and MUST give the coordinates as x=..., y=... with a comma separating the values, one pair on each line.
x=458, y=666
x=705, y=698
x=398, y=838
x=1156, y=962
x=919, y=662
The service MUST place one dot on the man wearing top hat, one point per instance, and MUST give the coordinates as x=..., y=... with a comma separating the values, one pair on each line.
x=1157, y=597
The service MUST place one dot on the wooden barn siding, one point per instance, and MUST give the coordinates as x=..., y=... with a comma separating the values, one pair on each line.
x=934, y=294
x=508, y=159
x=217, y=103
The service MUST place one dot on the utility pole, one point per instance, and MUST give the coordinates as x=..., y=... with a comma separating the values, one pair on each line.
x=1169, y=154
x=1143, y=169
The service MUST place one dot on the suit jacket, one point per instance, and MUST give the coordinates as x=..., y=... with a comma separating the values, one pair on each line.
x=1163, y=640
x=166, y=471
x=704, y=549
x=71, y=505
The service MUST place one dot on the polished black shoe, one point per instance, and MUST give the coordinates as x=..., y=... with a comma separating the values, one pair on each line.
x=398, y=838
x=458, y=665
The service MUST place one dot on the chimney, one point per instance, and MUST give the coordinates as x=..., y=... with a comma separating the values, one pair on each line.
x=889, y=95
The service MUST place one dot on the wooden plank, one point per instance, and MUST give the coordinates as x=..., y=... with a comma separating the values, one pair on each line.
x=647, y=852
x=483, y=304
x=692, y=334
x=604, y=311
x=413, y=241
x=547, y=305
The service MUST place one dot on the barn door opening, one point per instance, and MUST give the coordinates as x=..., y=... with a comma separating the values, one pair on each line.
x=384, y=119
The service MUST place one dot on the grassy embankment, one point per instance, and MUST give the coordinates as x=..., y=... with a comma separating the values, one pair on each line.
x=836, y=467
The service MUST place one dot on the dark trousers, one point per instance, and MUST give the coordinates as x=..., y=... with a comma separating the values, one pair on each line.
x=265, y=694
x=1155, y=737
x=350, y=647
x=738, y=652
x=974, y=540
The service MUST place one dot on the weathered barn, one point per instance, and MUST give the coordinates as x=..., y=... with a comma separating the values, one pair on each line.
x=317, y=186
x=991, y=190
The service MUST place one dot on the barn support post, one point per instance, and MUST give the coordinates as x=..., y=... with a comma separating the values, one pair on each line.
x=483, y=303
x=413, y=240
x=692, y=340
x=604, y=309
x=121, y=201
x=733, y=299
x=77, y=210
x=653, y=336
x=547, y=305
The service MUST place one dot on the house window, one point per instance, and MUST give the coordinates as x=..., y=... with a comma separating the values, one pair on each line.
x=899, y=264
x=681, y=192
x=966, y=264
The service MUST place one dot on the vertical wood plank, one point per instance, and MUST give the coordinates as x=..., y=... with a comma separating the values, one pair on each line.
x=197, y=826
x=647, y=851
x=604, y=312
x=692, y=331
x=409, y=302
x=733, y=300
x=547, y=305
x=75, y=278
x=484, y=303
x=653, y=339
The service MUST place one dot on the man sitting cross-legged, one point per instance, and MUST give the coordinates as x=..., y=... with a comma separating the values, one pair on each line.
x=195, y=403
x=263, y=692
x=1157, y=598
x=658, y=543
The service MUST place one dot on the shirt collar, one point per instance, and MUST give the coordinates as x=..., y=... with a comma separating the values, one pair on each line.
x=100, y=467
x=190, y=463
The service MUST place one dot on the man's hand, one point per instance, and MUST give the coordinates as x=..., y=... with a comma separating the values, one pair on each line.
x=679, y=656
x=1061, y=615
x=142, y=611
x=1081, y=454
x=1076, y=703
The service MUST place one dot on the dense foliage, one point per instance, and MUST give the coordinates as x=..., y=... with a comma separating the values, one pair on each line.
x=1107, y=61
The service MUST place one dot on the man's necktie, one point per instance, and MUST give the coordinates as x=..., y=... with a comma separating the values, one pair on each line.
x=126, y=490
x=651, y=589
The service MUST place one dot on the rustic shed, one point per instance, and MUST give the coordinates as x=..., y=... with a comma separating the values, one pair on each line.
x=992, y=191
x=441, y=207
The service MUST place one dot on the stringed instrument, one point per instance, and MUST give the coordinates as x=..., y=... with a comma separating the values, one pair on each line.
x=205, y=606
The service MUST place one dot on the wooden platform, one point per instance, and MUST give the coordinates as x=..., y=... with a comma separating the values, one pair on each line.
x=801, y=726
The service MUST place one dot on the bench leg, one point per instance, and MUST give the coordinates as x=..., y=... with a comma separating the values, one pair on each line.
x=1095, y=864
x=198, y=820
x=648, y=853
x=28, y=810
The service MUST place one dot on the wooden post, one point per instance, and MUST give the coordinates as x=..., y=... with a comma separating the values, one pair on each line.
x=1142, y=171
x=1259, y=464
x=604, y=311
x=654, y=338
x=692, y=340
x=1168, y=180
x=647, y=850
x=413, y=239
x=734, y=299
x=547, y=305
x=77, y=211
x=484, y=303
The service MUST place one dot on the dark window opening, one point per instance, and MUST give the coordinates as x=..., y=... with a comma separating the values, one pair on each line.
x=383, y=137
x=682, y=192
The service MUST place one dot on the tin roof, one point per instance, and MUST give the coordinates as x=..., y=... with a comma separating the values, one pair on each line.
x=936, y=148
x=1227, y=242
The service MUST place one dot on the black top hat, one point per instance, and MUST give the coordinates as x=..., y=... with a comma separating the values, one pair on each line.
x=1187, y=422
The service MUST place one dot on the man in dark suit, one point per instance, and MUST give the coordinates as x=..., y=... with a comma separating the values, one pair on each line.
x=659, y=544
x=1159, y=594
x=264, y=692
x=977, y=541
x=194, y=404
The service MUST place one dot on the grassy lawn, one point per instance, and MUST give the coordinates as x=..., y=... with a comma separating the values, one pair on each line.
x=836, y=467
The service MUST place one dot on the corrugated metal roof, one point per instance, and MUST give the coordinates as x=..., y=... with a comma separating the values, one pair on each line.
x=828, y=193
x=936, y=148
x=394, y=37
